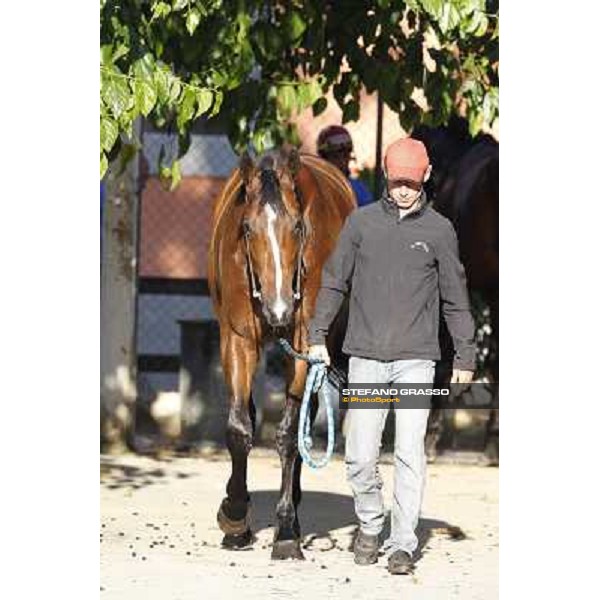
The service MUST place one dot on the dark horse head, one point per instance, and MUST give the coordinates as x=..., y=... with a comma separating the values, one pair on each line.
x=273, y=230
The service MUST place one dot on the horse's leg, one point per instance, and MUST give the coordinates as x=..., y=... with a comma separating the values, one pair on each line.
x=492, y=432
x=296, y=487
x=286, y=541
x=435, y=426
x=239, y=362
x=492, y=444
x=436, y=435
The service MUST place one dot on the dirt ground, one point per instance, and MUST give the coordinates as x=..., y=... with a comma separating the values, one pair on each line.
x=160, y=540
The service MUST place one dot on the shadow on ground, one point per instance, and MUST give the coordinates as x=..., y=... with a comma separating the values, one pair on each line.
x=322, y=514
x=115, y=475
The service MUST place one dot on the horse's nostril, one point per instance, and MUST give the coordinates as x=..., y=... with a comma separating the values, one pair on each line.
x=278, y=316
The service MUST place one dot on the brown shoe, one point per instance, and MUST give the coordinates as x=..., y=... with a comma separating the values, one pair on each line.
x=365, y=548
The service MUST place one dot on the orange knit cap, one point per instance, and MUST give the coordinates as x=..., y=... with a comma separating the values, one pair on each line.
x=406, y=158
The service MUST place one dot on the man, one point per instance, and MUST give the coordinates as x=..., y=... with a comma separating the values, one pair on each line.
x=398, y=259
x=334, y=144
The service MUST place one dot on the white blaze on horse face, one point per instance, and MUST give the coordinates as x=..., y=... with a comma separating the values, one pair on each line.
x=280, y=306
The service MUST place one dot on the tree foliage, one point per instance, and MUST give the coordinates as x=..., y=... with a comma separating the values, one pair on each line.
x=257, y=63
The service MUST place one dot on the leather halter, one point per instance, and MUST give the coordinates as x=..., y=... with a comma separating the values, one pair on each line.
x=256, y=293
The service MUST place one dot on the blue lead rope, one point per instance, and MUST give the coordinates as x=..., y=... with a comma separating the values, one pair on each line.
x=314, y=380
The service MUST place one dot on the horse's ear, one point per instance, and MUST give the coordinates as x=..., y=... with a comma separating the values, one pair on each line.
x=246, y=166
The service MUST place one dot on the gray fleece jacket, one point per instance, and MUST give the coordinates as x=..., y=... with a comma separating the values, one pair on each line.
x=397, y=271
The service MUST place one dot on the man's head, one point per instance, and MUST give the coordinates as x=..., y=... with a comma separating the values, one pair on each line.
x=334, y=144
x=406, y=166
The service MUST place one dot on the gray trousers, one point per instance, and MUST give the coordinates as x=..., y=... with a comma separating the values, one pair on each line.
x=363, y=442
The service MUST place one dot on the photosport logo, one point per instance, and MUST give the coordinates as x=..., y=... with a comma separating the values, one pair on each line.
x=419, y=395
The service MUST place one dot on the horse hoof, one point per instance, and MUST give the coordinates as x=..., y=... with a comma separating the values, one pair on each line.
x=287, y=549
x=492, y=453
x=238, y=542
x=230, y=526
x=431, y=455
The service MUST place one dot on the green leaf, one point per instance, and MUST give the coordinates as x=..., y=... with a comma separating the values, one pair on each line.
x=490, y=106
x=145, y=67
x=262, y=140
x=302, y=96
x=186, y=108
x=204, y=99
x=475, y=22
x=433, y=7
x=126, y=121
x=269, y=39
x=308, y=93
x=449, y=17
x=192, y=20
x=161, y=83
x=109, y=130
x=106, y=54
x=174, y=90
x=259, y=37
x=286, y=99
x=483, y=27
x=160, y=10
x=319, y=106
x=122, y=50
x=103, y=164
x=294, y=25
x=475, y=121
x=219, y=79
x=175, y=175
x=164, y=174
x=115, y=93
x=180, y=4
x=145, y=96
x=217, y=103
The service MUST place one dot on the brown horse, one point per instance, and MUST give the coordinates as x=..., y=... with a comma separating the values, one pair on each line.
x=465, y=190
x=275, y=224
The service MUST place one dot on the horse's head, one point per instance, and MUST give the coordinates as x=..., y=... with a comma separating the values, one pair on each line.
x=273, y=230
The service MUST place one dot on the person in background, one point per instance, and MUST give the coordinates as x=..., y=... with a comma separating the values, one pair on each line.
x=334, y=144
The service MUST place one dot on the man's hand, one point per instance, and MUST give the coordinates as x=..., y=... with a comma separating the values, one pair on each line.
x=461, y=376
x=320, y=351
